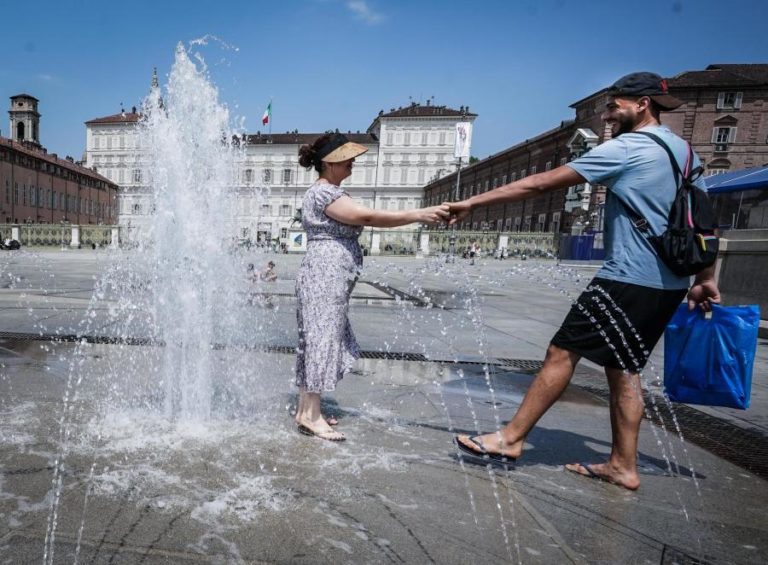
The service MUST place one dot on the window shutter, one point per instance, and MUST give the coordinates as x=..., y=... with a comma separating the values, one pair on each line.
x=720, y=100
x=732, y=135
x=714, y=135
x=739, y=96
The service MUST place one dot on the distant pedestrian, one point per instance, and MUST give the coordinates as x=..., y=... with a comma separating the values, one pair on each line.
x=269, y=274
x=333, y=222
x=474, y=250
x=637, y=173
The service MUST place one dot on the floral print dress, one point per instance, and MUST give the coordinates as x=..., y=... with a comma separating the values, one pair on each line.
x=327, y=347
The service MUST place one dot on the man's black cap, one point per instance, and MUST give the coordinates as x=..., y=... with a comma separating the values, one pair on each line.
x=645, y=84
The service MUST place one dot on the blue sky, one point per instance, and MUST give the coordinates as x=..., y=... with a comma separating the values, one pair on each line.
x=335, y=63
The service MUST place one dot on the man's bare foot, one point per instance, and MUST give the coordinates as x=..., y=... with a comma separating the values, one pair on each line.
x=605, y=472
x=493, y=444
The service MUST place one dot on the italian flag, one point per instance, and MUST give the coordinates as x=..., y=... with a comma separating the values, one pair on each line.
x=267, y=114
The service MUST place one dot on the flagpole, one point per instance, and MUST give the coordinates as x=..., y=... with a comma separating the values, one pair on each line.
x=270, y=117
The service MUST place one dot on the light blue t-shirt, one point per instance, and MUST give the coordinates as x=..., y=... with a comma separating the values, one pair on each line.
x=637, y=169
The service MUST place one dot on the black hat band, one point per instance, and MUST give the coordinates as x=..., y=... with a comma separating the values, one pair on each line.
x=336, y=141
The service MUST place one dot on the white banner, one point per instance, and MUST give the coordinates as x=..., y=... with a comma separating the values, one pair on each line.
x=463, y=140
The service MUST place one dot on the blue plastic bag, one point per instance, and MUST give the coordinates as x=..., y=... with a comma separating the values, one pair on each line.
x=708, y=360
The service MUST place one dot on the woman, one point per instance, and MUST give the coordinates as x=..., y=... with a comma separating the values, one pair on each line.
x=333, y=222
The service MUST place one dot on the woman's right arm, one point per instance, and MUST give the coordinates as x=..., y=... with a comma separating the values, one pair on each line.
x=347, y=211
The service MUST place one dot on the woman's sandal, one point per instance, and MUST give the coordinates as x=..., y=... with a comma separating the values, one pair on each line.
x=330, y=435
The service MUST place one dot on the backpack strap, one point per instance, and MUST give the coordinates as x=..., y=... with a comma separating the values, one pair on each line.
x=675, y=167
x=639, y=221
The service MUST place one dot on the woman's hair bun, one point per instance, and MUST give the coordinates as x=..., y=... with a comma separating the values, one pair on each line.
x=306, y=156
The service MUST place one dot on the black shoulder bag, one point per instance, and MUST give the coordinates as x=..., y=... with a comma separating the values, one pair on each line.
x=689, y=244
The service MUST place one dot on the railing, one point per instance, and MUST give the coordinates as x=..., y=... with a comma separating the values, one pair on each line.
x=534, y=244
x=44, y=235
x=59, y=235
x=373, y=242
x=100, y=236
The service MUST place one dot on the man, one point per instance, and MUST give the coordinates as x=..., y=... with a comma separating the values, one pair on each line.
x=638, y=173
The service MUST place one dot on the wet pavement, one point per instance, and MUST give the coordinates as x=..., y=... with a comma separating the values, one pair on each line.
x=245, y=487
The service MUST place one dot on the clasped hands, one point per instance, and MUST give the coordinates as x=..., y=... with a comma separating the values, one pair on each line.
x=448, y=212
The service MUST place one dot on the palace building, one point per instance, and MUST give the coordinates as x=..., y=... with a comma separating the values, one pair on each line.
x=408, y=146
x=39, y=187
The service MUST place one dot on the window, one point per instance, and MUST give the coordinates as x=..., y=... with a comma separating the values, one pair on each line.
x=137, y=176
x=285, y=210
x=548, y=166
x=723, y=135
x=512, y=177
x=555, y=222
x=137, y=209
x=283, y=233
x=441, y=138
x=503, y=179
x=542, y=221
x=287, y=176
x=533, y=169
x=266, y=176
x=248, y=176
x=729, y=100
x=563, y=161
x=266, y=210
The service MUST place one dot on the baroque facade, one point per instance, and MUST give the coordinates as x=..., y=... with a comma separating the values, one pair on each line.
x=408, y=146
x=724, y=117
x=39, y=187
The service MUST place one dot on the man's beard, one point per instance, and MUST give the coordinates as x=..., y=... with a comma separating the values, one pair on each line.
x=625, y=125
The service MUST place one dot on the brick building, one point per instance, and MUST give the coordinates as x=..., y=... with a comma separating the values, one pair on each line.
x=39, y=187
x=724, y=117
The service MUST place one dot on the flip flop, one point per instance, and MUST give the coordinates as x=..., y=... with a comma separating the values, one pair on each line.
x=322, y=435
x=590, y=473
x=496, y=459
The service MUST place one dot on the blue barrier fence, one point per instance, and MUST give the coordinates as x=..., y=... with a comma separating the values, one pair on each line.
x=586, y=247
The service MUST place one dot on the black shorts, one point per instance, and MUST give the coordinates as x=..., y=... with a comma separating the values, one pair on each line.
x=616, y=324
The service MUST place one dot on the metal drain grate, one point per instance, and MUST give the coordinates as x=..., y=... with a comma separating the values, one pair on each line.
x=527, y=365
x=393, y=355
x=746, y=448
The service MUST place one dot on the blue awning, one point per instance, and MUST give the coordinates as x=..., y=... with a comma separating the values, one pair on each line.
x=736, y=181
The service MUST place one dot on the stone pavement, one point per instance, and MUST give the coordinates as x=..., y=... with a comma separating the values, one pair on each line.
x=245, y=487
